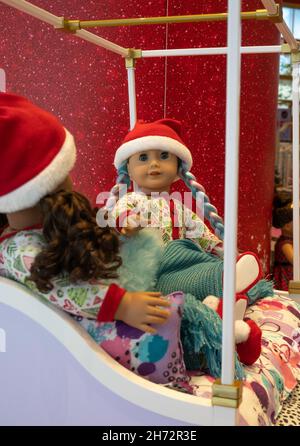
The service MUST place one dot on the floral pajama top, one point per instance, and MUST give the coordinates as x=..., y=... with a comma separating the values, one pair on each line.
x=93, y=299
x=169, y=215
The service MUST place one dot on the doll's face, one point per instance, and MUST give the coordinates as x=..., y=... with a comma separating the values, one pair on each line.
x=153, y=170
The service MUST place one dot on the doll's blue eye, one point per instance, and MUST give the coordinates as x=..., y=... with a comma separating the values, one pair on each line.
x=164, y=155
x=143, y=157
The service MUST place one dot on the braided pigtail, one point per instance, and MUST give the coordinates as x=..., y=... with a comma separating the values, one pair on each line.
x=74, y=242
x=210, y=211
x=116, y=193
x=120, y=188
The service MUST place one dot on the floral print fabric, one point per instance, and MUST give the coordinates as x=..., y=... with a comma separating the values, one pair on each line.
x=16, y=257
x=275, y=374
x=157, y=211
x=157, y=357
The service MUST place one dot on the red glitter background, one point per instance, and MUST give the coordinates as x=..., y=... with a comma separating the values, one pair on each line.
x=86, y=87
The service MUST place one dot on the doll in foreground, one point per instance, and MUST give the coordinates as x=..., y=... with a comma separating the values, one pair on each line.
x=53, y=245
x=36, y=194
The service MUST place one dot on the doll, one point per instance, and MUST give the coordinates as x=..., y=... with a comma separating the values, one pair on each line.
x=75, y=243
x=153, y=156
x=66, y=258
x=283, y=258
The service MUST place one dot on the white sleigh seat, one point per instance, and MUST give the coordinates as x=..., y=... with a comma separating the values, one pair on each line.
x=54, y=373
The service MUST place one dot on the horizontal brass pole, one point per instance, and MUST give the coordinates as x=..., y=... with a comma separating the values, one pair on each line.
x=259, y=14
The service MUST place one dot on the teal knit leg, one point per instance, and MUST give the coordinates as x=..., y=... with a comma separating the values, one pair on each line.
x=184, y=266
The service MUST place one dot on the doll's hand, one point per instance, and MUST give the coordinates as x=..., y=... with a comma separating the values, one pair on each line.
x=129, y=231
x=139, y=309
x=134, y=225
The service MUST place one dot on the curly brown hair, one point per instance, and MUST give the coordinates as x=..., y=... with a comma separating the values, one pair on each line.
x=75, y=243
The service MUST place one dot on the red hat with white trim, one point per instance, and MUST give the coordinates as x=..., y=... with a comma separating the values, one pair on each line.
x=36, y=152
x=164, y=134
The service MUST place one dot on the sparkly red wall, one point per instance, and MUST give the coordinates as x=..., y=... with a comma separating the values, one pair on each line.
x=85, y=86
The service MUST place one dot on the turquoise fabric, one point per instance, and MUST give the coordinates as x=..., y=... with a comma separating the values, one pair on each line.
x=181, y=265
x=201, y=337
x=185, y=266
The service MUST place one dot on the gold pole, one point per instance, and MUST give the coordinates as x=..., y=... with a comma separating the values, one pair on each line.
x=227, y=395
x=259, y=14
x=295, y=52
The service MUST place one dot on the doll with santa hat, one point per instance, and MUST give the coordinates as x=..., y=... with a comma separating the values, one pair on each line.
x=153, y=156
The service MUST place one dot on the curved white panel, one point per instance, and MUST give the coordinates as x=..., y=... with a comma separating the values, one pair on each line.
x=100, y=365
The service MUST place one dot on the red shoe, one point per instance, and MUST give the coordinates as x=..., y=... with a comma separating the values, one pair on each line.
x=248, y=341
x=247, y=333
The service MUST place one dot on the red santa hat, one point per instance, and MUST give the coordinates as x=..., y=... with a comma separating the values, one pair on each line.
x=37, y=153
x=164, y=134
